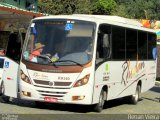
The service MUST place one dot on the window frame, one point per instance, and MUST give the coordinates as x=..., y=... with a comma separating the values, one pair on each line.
x=111, y=58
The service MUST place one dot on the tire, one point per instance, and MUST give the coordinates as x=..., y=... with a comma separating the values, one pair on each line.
x=4, y=98
x=1, y=89
x=39, y=104
x=133, y=99
x=99, y=106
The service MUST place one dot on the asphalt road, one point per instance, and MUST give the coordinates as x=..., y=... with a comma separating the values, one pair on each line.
x=115, y=109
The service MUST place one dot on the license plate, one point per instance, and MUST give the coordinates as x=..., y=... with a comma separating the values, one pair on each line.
x=49, y=99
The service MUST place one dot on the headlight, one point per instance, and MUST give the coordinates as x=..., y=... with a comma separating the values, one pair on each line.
x=24, y=77
x=82, y=81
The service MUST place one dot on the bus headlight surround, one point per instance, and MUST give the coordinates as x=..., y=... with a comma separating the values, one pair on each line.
x=82, y=81
x=24, y=77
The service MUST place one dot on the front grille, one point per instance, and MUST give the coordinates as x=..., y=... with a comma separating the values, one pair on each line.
x=51, y=93
x=51, y=87
x=41, y=82
x=48, y=83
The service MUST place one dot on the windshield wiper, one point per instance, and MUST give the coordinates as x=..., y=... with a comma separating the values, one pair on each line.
x=69, y=61
x=47, y=57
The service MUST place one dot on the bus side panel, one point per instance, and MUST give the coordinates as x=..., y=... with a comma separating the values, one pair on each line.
x=149, y=82
x=122, y=77
x=109, y=74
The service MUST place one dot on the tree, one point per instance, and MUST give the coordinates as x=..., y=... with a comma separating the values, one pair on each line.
x=134, y=9
x=64, y=6
x=153, y=11
x=138, y=9
x=103, y=6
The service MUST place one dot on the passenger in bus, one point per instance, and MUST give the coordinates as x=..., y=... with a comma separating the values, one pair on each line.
x=36, y=52
x=154, y=53
x=2, y=52
x=89, y=49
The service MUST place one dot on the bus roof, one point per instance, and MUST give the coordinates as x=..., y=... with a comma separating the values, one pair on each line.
x=100, y=19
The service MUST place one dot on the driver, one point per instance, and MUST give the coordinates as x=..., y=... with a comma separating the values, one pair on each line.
x=36, y=52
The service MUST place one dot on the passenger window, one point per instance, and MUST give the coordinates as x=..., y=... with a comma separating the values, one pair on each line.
x=103, y=42
x=118, y=43
x=142, y=45
x=131, y=44
x=151, y=45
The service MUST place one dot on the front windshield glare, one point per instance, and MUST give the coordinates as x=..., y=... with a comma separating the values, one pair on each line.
x=50, y=41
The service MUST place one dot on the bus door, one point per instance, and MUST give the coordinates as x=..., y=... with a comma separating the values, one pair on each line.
x=10, y=77
x=3, y=44
x=11, y=65
x=1, y=68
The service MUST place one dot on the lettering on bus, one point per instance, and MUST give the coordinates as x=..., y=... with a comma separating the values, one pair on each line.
x=106, y=73
x=130, y=72
x=63, y=78
x=40, y=76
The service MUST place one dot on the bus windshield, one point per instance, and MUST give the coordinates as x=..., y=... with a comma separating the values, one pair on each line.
x=62, y=42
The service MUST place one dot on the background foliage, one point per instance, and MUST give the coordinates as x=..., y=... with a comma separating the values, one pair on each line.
x=137, y=9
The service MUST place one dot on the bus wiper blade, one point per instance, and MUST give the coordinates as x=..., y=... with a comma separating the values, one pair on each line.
x=47, y=57
x=70, y=61
x=54, y=65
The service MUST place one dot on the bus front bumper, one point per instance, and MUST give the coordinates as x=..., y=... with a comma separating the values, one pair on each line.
x=77, y=95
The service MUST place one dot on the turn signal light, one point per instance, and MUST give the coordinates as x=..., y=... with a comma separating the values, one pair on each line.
x=26, y=93
x=78, y=97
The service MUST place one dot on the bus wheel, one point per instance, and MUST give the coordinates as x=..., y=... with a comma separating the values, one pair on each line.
x=4, y=98
x=135, y=97
x=99, y=106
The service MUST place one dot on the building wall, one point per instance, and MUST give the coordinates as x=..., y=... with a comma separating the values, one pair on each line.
x=24, y=4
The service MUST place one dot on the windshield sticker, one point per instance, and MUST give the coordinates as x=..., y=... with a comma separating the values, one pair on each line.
x=6, y=65
x=33, y=24
x=69, y=26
